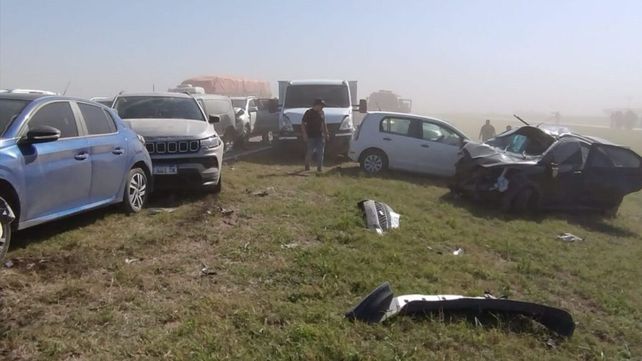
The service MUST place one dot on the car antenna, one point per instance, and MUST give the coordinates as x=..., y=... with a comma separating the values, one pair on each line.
x=66, y=88
x=520, y=119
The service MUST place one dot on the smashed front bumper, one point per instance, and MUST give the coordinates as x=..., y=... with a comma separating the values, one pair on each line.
x=381, y=305
x=479, y=182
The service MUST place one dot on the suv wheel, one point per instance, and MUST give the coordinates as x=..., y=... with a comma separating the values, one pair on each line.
x=5, y=235
x=374, y=162
x=135, y=191
x=216, y=189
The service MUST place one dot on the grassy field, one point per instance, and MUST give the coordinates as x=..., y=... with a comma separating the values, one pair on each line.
x=282, y=269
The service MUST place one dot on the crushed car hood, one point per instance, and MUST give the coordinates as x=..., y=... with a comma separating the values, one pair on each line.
x=170, y=128
x=489, y=156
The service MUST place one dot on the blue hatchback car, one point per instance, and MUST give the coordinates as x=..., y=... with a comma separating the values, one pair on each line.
x=60, y=156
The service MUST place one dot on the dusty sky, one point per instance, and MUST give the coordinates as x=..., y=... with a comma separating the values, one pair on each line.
x=577, y=57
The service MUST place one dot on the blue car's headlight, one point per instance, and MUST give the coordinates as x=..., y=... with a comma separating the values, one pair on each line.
x=211, y=142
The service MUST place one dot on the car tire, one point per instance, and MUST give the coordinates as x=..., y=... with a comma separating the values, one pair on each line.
x=216, y=189
x=136, y=191
x=229, y=138
x=613, y=211
x=524, y=201
x=5, y=237
x=374, y=161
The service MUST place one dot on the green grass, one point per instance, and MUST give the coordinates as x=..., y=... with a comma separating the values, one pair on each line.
x=71, y=295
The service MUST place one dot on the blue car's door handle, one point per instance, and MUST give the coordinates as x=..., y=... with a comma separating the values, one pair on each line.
x=81, y=156
x=118, y=151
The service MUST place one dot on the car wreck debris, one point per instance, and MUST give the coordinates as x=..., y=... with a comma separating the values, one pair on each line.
x=569, y=237
x=206, y=271
x=532, y=168
x=155, y=211
x=381, y=305
x=458, y=252
x=379, y=216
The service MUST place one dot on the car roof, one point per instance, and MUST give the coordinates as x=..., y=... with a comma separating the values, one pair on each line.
x=317, y=82
x=156, y=94
x=409, y=115
x=381, y=114
x=210, y=96
x=22, y=96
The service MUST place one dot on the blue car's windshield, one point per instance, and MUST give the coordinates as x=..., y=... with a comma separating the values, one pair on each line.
x=9, y=109
x=137, y=107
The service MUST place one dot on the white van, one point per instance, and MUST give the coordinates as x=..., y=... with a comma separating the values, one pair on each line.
x=297, y=97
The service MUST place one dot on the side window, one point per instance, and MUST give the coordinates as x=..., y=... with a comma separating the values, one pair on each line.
x=252, y=104
x=570, y=154
x=96, y=120
x=615, y=157
x=399, y=126
x=431, y=132
x=436, y=133
x=58, y=115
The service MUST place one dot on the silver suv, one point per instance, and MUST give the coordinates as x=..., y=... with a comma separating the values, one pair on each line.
x=221, y=106
x=185, y=149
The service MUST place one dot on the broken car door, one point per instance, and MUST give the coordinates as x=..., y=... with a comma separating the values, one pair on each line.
x=563, y=176
x=611, y=173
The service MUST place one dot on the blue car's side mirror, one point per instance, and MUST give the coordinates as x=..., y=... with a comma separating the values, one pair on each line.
x=42, y=134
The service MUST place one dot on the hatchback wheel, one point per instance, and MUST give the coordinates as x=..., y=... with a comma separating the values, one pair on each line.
x=5, y=235
x=374, y=162
x=136, y=191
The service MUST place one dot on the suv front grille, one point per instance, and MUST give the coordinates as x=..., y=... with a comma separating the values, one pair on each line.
x=173, y=147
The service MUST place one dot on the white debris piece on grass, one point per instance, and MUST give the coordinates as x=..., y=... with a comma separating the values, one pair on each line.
x=290, y=245
x=131, y=260
x=458, y=252
x=569, y=237
x=161, y=210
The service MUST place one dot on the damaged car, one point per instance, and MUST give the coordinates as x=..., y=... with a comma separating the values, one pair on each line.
x=534, y=168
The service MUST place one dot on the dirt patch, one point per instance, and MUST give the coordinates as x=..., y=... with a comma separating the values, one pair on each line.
x=49, y=267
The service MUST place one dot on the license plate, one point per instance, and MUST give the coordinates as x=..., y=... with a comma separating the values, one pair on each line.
x=165, y=169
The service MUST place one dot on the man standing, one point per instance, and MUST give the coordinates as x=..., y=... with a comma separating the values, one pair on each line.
x=487, y=131
x=315, y=133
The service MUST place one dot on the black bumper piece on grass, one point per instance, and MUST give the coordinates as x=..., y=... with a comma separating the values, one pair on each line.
x=381, y=304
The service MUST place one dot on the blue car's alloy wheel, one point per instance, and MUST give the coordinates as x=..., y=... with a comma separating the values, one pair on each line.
x=5, y=236
x=136, y=191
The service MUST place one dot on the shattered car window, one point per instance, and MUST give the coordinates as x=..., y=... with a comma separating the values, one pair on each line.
x=526, y=140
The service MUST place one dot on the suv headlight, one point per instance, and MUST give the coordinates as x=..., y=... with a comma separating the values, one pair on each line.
x=286, y=124
x=347, y=124
x=211, y=142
